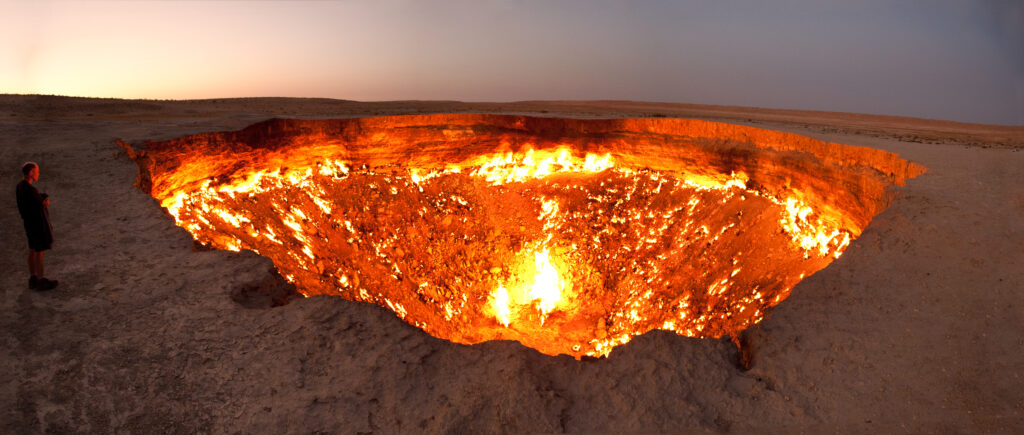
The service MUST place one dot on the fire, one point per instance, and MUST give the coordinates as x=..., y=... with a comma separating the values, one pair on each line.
x=813, y=237
x=543, y=290
x=516, y=167
x=535, y=288
x=563, y=250
x=499, y=303
x=547, y=286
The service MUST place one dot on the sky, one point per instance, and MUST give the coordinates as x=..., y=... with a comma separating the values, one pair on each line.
x=939, y=59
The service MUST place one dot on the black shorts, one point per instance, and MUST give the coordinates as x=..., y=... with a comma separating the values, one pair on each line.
x=39, y=236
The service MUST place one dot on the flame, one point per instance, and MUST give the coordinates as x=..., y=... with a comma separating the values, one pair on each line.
x=544, y=290
x=813, y=237
x=540, y=282
x=499, y=304
x=547, y=286
x=517, y=167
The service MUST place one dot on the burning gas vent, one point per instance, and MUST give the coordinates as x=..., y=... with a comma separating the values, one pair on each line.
x=570, y=236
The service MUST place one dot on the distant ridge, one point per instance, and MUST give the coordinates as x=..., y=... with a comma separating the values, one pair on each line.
x=903, y=128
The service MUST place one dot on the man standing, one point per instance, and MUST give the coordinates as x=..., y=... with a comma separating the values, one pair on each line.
x=33, y=209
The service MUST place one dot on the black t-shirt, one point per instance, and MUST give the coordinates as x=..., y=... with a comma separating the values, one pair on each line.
x=30, y=203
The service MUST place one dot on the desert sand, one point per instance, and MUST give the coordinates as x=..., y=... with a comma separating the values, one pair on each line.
x=918, y=327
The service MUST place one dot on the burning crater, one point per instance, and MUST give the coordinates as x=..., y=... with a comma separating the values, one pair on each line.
x=569, y=236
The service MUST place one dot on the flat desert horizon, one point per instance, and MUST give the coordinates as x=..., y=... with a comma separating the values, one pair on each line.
x=915, y=328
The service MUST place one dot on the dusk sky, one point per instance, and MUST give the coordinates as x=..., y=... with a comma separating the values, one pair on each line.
x=954, y=60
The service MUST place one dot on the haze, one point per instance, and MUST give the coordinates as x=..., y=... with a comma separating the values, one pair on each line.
x=953, y=60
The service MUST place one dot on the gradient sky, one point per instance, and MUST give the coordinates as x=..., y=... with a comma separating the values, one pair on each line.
x=954, y=60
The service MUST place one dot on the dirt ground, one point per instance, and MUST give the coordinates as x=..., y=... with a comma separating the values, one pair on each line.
x=918, y=327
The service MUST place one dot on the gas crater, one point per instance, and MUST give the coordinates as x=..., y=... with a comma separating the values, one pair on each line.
x=570, y=236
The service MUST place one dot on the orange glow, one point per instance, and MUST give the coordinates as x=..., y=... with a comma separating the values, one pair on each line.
x=565, y=251
x=536, y=285
x=512, y=167
x=543, y=290
x=547, y=286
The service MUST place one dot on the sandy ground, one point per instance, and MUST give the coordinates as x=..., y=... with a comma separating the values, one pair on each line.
x=918, y=327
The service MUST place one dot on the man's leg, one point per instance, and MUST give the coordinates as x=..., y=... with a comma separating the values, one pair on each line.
x=33, y=270
x=32, y=263
x=43, y=283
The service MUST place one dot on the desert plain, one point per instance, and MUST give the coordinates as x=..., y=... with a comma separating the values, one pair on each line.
x=917, y=327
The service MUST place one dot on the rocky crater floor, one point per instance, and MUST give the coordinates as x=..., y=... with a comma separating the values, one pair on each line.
x=916, y=327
